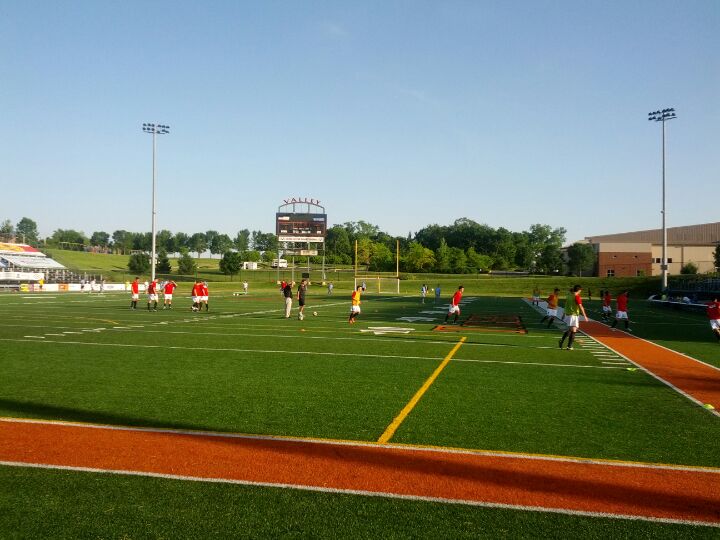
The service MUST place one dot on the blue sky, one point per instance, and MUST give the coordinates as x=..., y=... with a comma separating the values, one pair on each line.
x=400, y=113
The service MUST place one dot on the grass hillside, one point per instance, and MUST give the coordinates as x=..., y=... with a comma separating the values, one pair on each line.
x=114, y=268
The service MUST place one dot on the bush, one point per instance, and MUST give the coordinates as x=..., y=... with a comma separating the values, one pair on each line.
x=689, y=268
x=139, y=263
x=186, y=264
x=163, y=263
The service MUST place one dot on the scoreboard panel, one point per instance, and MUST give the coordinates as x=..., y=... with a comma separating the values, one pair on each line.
x=293, y=227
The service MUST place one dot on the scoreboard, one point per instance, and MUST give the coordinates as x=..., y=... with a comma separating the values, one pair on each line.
x=294, y=227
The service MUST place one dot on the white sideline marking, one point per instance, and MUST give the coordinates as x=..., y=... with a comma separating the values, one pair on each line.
x=228, y=349
x=69, y=332
x=35, y=337
x=363, y=493
x=657, y=377
x=529, y=363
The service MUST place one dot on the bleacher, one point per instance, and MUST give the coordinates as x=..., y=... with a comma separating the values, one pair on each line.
x=28, y=260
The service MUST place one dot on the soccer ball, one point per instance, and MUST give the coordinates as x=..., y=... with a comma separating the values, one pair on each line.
x=314, y=313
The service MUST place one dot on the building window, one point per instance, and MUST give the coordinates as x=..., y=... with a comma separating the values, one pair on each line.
x=669, y=260
x=610, y=272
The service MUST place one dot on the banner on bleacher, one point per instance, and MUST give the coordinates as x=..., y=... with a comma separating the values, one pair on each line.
x=21, y=276
x=17, y=248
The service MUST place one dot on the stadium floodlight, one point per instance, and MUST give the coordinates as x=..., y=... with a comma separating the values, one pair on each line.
x=154, y=129
x=662, y=117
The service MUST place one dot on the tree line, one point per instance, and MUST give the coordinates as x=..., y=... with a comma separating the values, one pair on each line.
x=464, y=246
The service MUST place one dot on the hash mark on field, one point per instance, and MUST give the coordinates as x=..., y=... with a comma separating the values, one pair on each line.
x=35, y=337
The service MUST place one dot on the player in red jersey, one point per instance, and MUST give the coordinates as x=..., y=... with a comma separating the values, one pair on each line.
x=455, y=304
x=205, y=293
x=168, y=294
x=134, y=293
x=622, y=303
x=713, y=313
x=606, y=305
x=196, y=295
x=152, y=294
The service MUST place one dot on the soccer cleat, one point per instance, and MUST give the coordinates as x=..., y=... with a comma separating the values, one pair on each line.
x=570, y=349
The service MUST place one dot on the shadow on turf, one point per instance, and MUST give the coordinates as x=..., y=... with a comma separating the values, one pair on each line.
x=42, y=411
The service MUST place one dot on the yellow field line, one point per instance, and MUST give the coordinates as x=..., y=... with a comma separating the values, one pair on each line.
x=392, y=428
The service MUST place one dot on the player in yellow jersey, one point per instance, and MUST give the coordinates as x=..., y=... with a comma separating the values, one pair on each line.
x=355, y=307
x=552, y=307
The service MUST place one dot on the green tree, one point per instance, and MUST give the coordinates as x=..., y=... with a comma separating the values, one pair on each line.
x=198, y=243
x=545, y=244
x=581, y=258
x=74, y=239
x=419, y=258
x=337, y=242
x=209, y=237
x=220, y=243
x=432, y=236
x=524, y=254
x=361, y=229
x=716, y=257
x=26, y=229
x=550, y=261
x=264, y=241
x=504, y=250
x=182, y=240
x=122, y=241
x=186, y=264
x=142, y=241
x=458, y=261
x=164, y=240
x=6, y=228
x=442, y=258
x=253, y=255
x=242, y=241
x=364, y=251
x=689, y=268
x=231, y=263
x=100, y=239
x=476, y=262
x=381, y=258
x=163, y=263
x=139, y=263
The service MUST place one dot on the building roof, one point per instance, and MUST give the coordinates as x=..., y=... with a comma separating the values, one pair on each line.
x=705, y=234
x=7, y=247
x=24, y=261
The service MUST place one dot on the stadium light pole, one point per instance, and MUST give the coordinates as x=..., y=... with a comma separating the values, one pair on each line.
x=154, y=130
x=662, y=117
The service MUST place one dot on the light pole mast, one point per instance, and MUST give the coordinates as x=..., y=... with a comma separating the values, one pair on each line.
x=663, y=116
x=154, y=129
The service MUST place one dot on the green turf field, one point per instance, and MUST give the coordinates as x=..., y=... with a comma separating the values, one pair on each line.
x=243, y=367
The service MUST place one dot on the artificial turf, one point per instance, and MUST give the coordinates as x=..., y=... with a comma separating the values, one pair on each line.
x=243, y=367
x=37, y=503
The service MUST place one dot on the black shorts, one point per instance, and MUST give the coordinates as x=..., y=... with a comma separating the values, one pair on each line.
x=301, y=302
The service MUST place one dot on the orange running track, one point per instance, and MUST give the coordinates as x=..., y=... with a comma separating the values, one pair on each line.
x=698, y=380
x=640, y=491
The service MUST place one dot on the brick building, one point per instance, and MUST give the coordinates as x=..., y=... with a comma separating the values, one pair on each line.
x=639, y=253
